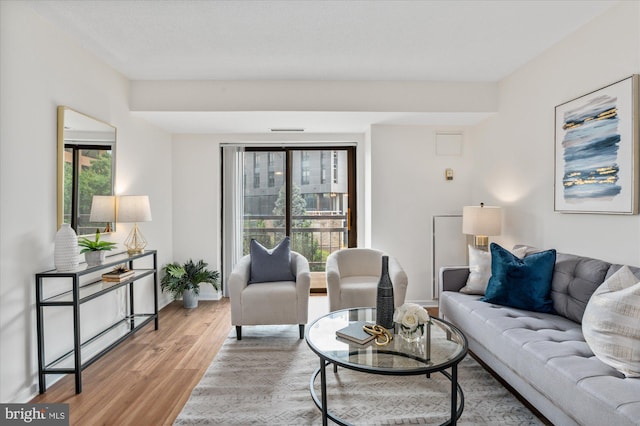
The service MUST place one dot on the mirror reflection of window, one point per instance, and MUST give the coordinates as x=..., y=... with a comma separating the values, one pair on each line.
x=94, y=167
x=88, y=166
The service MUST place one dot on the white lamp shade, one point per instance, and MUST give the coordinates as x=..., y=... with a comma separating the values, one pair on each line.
x=481, y=220
x=103, y=208
x=134, y=208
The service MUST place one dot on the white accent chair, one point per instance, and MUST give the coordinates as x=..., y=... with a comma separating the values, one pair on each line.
x=279, y=302
x=353, y=275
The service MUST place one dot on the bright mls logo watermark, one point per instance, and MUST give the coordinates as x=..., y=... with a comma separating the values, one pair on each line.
x=34, y=414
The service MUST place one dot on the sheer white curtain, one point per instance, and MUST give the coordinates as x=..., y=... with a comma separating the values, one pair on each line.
x=232, y=208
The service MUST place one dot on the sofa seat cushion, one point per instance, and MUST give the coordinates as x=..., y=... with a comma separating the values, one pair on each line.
x=548, y=352
x=602, y=385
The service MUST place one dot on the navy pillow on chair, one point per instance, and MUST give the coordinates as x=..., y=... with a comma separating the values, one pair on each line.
x=521, y=283
x=271, y=265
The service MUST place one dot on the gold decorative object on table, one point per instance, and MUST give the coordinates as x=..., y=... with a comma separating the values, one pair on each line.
x=382, y=336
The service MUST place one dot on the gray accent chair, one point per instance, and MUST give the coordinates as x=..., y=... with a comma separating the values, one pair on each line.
x=353, y=275
x=270, y=303
x=544, y=357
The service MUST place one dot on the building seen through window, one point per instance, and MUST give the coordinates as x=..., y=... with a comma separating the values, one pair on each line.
x=318, y=198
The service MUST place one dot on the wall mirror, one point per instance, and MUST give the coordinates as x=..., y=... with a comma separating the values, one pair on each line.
x=86, y=167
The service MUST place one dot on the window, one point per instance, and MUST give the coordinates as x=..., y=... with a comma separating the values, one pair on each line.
x=291, y=202
x=323, y=167
x=304, y=168
x=256, y=170
x=271, y=173
x=335, y=167
x=312, y=201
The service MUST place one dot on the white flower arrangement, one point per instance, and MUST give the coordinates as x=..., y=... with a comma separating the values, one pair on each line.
x=411, y=315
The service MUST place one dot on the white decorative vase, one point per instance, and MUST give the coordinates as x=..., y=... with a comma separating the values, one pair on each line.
x=94, y=258
x=66, y=253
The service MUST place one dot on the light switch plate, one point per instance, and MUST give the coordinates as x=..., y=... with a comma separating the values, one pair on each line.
x=448, y=174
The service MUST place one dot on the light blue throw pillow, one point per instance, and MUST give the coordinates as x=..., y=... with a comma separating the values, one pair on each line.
x=271, y=265
x=521, y=283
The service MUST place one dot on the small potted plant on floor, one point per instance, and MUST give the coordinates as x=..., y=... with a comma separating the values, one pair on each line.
x=184, y=280
x=95, y=250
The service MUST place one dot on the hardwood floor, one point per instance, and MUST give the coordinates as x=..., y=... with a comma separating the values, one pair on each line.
x=149, y=377
x=318, y=282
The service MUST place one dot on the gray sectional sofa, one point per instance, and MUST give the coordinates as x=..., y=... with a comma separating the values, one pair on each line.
x=544, y=357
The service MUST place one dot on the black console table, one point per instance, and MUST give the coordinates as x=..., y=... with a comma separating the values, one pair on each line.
x=86, y=284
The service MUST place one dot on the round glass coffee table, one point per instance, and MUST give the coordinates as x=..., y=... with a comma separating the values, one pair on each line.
x=443, y=348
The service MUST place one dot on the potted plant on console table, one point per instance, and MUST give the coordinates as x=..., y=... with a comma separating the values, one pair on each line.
x=184, y=280
x=95, y=250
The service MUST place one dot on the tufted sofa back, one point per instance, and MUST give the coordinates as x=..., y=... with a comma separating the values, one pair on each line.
x=575, y=278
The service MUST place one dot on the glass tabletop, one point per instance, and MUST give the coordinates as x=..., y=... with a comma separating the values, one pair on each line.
x=447, y=346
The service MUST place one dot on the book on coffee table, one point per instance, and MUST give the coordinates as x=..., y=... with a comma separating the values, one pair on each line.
x=355, y=333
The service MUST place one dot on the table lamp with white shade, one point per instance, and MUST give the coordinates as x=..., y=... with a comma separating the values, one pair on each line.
x=103, y=209
x=134, y=209
x=481, y=222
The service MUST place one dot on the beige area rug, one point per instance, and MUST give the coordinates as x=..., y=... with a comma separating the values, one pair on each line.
x=264, y=379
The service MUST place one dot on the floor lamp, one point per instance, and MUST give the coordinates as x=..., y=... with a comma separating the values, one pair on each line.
x=134, y=209
x=481, y=222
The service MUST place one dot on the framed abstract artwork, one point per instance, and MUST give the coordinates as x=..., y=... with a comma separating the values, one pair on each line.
x=596, y=151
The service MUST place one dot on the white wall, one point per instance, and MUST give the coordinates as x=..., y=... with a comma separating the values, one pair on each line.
x=515, y=153
x=41, y=68
x=408, y=187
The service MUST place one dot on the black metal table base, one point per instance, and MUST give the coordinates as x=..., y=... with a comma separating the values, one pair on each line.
x=456, y=391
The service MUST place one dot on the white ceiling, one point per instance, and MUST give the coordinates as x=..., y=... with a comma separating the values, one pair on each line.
x=315, y=40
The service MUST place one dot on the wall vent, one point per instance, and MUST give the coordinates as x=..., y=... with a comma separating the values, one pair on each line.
x=287, y=129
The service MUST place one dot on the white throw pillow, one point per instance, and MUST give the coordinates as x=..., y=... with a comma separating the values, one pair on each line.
x=611, y=322
x=480, y=269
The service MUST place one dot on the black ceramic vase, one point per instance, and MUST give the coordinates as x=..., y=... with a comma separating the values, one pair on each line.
x=384, y=302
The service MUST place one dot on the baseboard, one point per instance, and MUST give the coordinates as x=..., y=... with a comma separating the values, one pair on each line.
x=426, y=303
x=210, y=296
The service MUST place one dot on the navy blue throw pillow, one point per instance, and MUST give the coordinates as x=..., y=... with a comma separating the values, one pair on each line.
x=271, y=265
x=521, y=283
